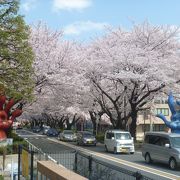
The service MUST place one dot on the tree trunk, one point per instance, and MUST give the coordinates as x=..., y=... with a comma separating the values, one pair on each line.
x=94, y=127
x=69, y=126
x=133, y=124
x=93, y=119
x=119, y=125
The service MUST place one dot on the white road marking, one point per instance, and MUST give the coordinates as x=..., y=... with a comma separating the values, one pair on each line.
x=124, y=162
x=32, y=134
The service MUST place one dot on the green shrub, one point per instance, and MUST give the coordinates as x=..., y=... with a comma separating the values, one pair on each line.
x=7, y=149
x=100, y=137
x=2, y=150
x=16, y=144
x=13, y=149
x=1, y=177
x=138, y=145
x=27, y=126
x=15, y=137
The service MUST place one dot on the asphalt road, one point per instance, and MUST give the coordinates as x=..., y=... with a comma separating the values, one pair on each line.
x=133, y=162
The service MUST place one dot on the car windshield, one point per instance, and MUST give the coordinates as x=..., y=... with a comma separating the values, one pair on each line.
x=175, y=142
x=52, y=130
x=87, y=134
x=68, y=132
x=123, y=136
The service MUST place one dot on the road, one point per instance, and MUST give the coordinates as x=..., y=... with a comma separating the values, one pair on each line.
x=133, y=162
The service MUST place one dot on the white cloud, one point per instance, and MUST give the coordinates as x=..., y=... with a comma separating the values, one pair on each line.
x=71, y=4
x=79, y=27
x=28, y=5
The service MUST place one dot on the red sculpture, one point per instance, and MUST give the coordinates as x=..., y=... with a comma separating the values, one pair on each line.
x=6, y=116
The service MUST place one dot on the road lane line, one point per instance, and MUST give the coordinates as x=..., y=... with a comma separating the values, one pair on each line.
x=120, y=161
x=32, y=134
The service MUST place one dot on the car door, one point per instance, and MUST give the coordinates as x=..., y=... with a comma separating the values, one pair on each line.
x=108, y=140
x=153, y=147
x=158, y=150
x=111, y=140
x=164, y=151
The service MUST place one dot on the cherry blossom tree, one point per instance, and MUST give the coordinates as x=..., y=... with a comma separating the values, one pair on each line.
x=118, y=74
x=57, y=80
x=128, y=68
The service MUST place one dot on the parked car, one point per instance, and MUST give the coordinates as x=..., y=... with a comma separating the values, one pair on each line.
x=36, y=129
x=86, y=138
x=52, y=132
x=45, y=129
x=162, y=147
x=118, y=141
x=17, y=125
x=67, y=135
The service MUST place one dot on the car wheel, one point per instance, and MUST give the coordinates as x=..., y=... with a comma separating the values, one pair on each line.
x=106, y=148
x=148, y=158
x=172, y=164
x=115, y=150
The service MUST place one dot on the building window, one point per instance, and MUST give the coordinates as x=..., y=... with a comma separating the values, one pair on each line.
x=159, y=127
x=164, y=111
x=160, y=101
x=157, y=101
x=145, y=127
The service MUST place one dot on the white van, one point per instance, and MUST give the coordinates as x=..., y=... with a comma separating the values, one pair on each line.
x=118, y=141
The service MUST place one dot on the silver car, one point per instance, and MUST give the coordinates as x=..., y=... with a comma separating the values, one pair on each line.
x=86, y=138
x=67, y=135
x=162, y=147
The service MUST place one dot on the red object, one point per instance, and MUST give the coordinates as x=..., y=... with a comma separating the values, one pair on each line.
x=9, y=105
x=2, y=102
x=7, y=117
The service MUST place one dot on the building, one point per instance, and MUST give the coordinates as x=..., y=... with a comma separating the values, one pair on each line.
x=147, y=120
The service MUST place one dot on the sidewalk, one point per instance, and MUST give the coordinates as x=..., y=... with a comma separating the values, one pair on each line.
x=13, y=158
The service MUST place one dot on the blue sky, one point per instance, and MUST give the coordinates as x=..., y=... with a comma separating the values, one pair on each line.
x=85, y=19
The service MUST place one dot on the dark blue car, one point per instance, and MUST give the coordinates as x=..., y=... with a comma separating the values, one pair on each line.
x=52, y=132
x=36, y=129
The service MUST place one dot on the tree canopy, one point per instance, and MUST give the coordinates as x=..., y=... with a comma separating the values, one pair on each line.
x=16, y=55
x=116, y=75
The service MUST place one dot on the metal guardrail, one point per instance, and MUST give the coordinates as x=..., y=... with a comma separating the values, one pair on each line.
x=94, y=169
x=87, y=166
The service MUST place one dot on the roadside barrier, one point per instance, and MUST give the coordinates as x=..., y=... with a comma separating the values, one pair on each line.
x=83, y=164
x=94, y=169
